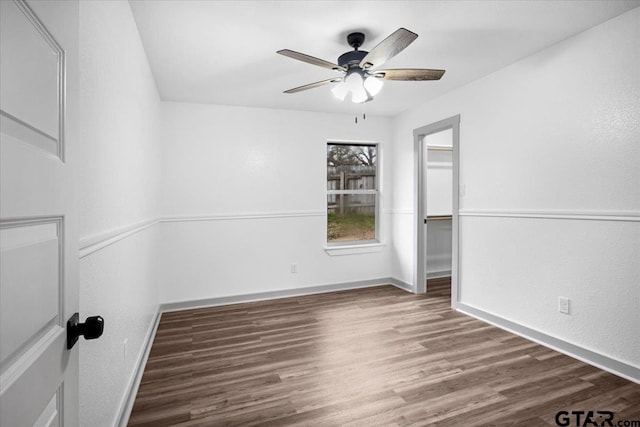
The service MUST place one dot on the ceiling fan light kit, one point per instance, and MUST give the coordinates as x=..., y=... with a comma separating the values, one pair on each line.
x=356, y=85
x=361, y=78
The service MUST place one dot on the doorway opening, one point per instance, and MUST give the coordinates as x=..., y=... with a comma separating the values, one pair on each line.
x=436, y=151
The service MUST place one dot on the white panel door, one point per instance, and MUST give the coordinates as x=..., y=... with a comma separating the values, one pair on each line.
x=38, y=241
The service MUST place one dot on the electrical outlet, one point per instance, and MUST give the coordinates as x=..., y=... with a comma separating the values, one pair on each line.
x=294, y=268
x=463, y=190
x=563, y=305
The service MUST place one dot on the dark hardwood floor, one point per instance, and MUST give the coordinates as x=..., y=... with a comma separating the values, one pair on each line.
x=375, y=356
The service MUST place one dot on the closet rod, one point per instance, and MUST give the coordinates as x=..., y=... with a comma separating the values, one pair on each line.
x=439, y=148
x=438, y=218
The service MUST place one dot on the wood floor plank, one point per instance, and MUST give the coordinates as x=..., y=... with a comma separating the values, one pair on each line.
x=366, y=357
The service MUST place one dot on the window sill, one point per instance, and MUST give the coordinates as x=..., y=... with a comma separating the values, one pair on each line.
x=354, y=249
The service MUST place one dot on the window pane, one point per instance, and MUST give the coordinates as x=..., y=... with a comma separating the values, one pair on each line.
x=351, y=217
x=351, y=167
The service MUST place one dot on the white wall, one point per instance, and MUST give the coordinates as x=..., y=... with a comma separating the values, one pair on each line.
x=237, y=163
x=118, y=186
x=554, y=133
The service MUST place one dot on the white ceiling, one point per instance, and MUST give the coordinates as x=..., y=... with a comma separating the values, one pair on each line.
x=224, y=52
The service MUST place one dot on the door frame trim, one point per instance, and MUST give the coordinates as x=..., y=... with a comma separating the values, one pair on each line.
x=420, y=234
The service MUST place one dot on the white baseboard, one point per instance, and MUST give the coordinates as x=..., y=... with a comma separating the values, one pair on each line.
x=402, y=285
x=285, y=293
x=438, y=274
x=598, y=360
x=134, y=382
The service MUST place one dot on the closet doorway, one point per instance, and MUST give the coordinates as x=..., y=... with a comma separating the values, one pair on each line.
x=436, y=206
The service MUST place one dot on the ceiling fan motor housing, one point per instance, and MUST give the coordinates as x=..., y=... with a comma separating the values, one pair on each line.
x=352, y=59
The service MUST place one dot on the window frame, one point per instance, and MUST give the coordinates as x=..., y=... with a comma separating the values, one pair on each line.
x=342, y=247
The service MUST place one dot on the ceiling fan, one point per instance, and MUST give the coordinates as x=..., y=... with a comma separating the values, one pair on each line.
x=361, y=76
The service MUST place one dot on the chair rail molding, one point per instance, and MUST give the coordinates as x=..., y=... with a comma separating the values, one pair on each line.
x=95, y=242
x=98, y=241
x=240, y=216
x=599, y=215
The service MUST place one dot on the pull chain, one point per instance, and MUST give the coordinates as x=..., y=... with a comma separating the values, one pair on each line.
x=364, y=117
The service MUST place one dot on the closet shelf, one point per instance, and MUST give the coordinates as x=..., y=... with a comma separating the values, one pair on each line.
x=439, y=148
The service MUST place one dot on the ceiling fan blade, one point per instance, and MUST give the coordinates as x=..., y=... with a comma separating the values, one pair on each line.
x=313, y=85
x=388, y=48
x=311, y=60
x=413, y=74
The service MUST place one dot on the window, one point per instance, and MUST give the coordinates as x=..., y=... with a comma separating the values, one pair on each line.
x=352, y=193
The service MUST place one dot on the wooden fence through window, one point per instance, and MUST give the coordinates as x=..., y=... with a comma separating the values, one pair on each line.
x=351, y=178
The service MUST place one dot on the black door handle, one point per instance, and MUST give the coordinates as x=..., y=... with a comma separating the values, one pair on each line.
x=91, y=329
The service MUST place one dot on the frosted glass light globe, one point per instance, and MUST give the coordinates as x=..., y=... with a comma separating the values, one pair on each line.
x=373, y=85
